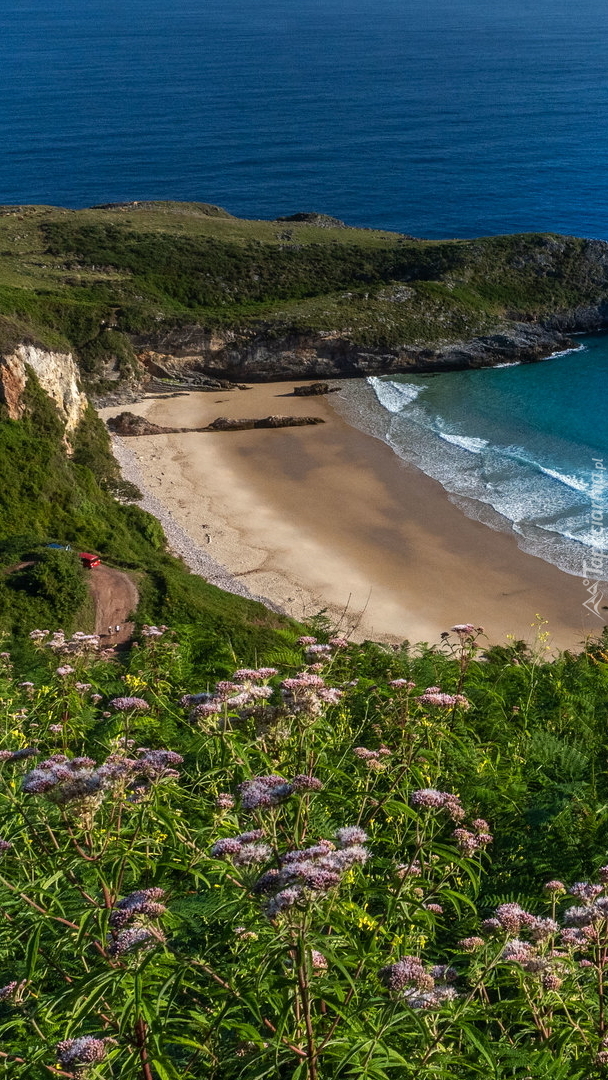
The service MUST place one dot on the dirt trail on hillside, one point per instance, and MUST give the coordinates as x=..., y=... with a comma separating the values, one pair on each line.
x=116, y=597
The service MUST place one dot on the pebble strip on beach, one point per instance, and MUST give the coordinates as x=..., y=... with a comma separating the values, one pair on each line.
x=180, y=543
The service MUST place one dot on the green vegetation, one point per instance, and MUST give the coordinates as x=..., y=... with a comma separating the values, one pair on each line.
x=304, y=875
x=45, y=496
x=89, y=279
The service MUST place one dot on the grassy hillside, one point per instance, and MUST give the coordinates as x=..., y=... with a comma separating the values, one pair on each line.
x=88, y=278
x=392, y=870
x=46, y=496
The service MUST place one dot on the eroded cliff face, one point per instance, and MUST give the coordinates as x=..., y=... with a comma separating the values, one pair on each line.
x=263, y=355
x=57, y=374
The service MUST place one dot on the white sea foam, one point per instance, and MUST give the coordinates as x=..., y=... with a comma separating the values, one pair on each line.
x=573, y=482
x=394, y=395
x=466, y=442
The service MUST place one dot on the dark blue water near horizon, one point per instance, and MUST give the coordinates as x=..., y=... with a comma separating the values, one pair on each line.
x=433, y=117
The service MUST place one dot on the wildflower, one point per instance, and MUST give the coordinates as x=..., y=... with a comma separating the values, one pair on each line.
x=427, y=798
x=5, y=845
x=64, y=670
x=26, y=685
x=141, y=903
x=412, y=869
x=471, y=944
x=350, y=835
x=282, y=900
x=517, y=951
x=318, y=650
x=8, y=991
x=511, y=917
x=264, y=791
x=56, y=728
x=551, y=981
x=603, y=874
x=224, y=801
x=465, y=629
x=402, y=684
x=253, y=674
x=85, y=1050
x=338, y=642
x=601, y=1058
x=307, y=641
x=443, y=700
x=125, y=704
x=584, y=890
x=318, y=961
x=302, y=782
x=18, y=755
x=82, y=687
x=134, y=937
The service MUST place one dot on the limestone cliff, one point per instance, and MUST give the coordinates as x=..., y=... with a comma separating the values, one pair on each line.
x=262, y=355
x=57, y=374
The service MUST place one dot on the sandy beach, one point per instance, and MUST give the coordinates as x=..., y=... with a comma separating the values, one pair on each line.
x=329, y=518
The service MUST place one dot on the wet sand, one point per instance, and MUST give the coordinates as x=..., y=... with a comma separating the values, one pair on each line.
x=329, y=518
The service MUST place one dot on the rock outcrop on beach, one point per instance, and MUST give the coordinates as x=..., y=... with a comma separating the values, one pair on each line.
x=315, y=389
x=129, y=424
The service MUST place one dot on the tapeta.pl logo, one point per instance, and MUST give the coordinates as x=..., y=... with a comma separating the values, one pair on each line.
x=594, y=570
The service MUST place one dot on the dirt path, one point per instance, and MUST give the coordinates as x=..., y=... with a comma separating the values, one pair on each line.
x=116, y=598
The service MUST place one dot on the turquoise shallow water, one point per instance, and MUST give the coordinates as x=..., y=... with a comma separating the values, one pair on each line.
x=523, y=447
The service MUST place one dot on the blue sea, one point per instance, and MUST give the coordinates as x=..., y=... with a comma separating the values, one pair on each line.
x=433, y=117
x=521, y=447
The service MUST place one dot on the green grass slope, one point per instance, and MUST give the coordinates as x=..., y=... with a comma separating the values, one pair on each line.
x=47, y=496
x=88, y=279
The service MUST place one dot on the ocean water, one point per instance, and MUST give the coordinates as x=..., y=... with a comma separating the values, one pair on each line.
x=434, y=117
x=523, y=447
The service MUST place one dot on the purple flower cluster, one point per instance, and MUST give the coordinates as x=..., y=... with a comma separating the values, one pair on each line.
x=129, y=931
x=18, y=755
x=431, y=799
x=402, y=684
x=78, y=645
x=471, y=842
x=129, y=704
x=133, y=939
x=9, y=991
x=224, y=801
x=264, y=791
x=85, y=1050
x=64, y=780
x=312, y=871
x=138, y=904
x=466, y=629
x=434, y=696
x=419, y=987
x=307, y=693
x=243, y=690
x=243, y=850
x=372, y=758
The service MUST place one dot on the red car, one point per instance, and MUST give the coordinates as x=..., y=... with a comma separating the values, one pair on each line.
x=88, y=560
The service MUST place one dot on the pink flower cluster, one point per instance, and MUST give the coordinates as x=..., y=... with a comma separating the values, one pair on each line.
x=242, y=690
x=307, y=693
x=85, y=1050
x=63, y=780
x=243, y=850
x=431, y=799
x=434, y=696
x=129, y=931
x=129, y=704
x=419, y=987
x=471, y=842
x=312, y=871
x=78, y=645
x=264, y=791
